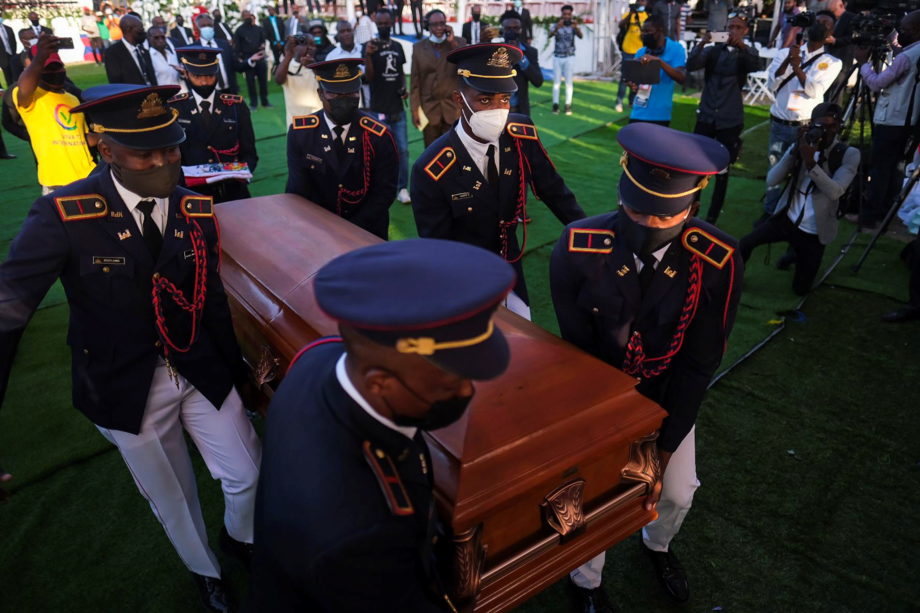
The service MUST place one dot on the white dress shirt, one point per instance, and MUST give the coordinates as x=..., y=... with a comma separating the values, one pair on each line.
x=198, y=99
x=655, y=254
x=164, y=66
x=132, y=51
x=801, y=199
x=131, y=201
x=331, y=124
x=478, y=151
x=342, y=375
x=795, y=102
x=6, y=41
x=338, y=53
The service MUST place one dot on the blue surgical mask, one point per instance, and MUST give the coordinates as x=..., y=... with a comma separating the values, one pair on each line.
x=437, y=39
x=207, y=33
x=641, y=9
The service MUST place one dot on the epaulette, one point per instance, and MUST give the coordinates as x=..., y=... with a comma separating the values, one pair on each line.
x=372, y=126
x=523, y=130
x=707, y=246
x=302, y=122
x=589, y=240
x=388, y=478
x=84, y=206
x=320, y=341
x=178, y=97
x=441, y=163
x=231, y=99
x=197, y=206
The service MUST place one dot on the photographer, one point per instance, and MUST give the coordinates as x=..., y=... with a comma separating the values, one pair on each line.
x=564, y=32
x=840, y=44
x=384, y=59
x=798, y=77
x=296, y=80
x=654, y=102
x=817, y=171
x=721, y=111
x=895, y=112
x=629, y=40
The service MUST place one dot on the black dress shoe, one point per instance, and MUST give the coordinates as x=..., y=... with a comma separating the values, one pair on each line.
x=7, y=156
x=591, y=601
x=236, y=549
x=905, y=313
x=213, y=595
x=669, y=572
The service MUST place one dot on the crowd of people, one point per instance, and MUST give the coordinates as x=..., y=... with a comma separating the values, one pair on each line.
x=131, y=172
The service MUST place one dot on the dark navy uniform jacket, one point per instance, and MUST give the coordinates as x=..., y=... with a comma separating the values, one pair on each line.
x=331, y=534
x=228, y=137
x=361, y=186
x=84, y=234
x=451, y=198
x=599, y=304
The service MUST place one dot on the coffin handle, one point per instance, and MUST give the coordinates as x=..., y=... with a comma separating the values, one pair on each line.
x=563, y=509
x=266, y=370
x=643, y=465
x=469, y=560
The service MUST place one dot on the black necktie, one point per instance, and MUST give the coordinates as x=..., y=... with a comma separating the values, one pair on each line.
x=152, y=235
x=648, y=271
x=145, y=68
x=206, y=112
x=339, y=145
x=492, y=169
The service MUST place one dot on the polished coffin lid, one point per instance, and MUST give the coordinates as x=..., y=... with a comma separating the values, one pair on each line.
x=556, y=409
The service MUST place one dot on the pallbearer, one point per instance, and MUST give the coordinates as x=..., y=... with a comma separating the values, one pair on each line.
x=219, y=153
x=652, y=290
x=341, y=158
x=471, y=184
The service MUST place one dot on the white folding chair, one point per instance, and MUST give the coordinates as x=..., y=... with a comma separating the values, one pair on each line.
x=757, y=87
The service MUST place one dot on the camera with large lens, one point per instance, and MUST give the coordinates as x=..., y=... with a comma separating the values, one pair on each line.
x=873, y=29
x=803, y=20
x=301, y=39
x=814, y=134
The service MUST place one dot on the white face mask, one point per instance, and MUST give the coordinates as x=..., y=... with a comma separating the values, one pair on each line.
x=487, y=125
x=437, y=39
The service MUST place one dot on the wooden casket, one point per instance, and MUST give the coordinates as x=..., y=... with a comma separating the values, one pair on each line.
x=551, y=462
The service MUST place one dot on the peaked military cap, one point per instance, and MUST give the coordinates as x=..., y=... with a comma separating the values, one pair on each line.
x=429, y=297
x=135, y=116
x=339, y=76
x=487, y=67
x=664, y=170
x=198, y=59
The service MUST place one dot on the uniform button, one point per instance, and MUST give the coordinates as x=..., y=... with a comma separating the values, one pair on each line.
x=158, y=344
x=106, y=269
x=434, y=540
x=156, y=276
x=340, y=186
x=98, y=204
x=595, y=310
x=469, y=209
x=210, y=161
x=86, y=352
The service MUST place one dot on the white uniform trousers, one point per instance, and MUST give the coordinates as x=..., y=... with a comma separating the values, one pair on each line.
x=159, y=461
x=678, y=486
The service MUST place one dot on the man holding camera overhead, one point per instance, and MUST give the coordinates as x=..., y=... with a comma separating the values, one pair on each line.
x=811, y=176
x=798, y=77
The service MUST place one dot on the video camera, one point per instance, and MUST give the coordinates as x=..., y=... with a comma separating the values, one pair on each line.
x=803, y=20
x=873, y=29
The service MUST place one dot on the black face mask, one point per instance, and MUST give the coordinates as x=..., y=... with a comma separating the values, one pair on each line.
x=643, y=240
x=383, y=32
x=55, y=80
x=343, y=109
x=441, y=413
x=650, y=42
x=204, y=91
x=34, y=22
x=511, y=36
x=475, y=17
x=817, y=32
x=157, y=182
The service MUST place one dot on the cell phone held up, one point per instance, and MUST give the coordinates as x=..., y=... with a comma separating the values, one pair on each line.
x=719, y=37
x=65, y=43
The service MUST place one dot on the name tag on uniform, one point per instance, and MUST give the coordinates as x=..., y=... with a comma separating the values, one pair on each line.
x=314, y=158
x=461, y=196
x=228, y=120
x=189, y=254
x=108, y=260
x=180, y=120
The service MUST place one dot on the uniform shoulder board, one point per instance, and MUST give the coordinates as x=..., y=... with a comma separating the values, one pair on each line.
x=372, y=126
x=302, y=122
x=523, y=130
x=713, y=250
x=85, y=206
x=178, y=97
x=388, y=478
x=441, y=163
x=589, y=240
x=230, y=98
x=197, y=206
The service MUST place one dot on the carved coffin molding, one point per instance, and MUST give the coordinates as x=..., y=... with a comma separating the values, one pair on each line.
x=266, y=370
x=469, y=559
x=643, y=465
x=563, y=508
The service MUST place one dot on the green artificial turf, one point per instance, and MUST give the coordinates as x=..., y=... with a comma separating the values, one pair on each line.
x=807, y=451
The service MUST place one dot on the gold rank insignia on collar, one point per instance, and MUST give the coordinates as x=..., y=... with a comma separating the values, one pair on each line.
x=590, y=240
x=197, y=206
x=388, y=479
x=84, y=206
x=670, y=272
x=707, y=246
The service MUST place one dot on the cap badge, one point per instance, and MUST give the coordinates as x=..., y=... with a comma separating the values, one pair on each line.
x=500, y=59
x=152, y=106
x=342, y=72
x=661, y=173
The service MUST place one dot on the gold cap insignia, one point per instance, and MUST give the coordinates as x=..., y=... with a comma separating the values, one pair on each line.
x=342, y=72
x=500, y=59
x=203, y=56
x=661, y=173
x=152, y=106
